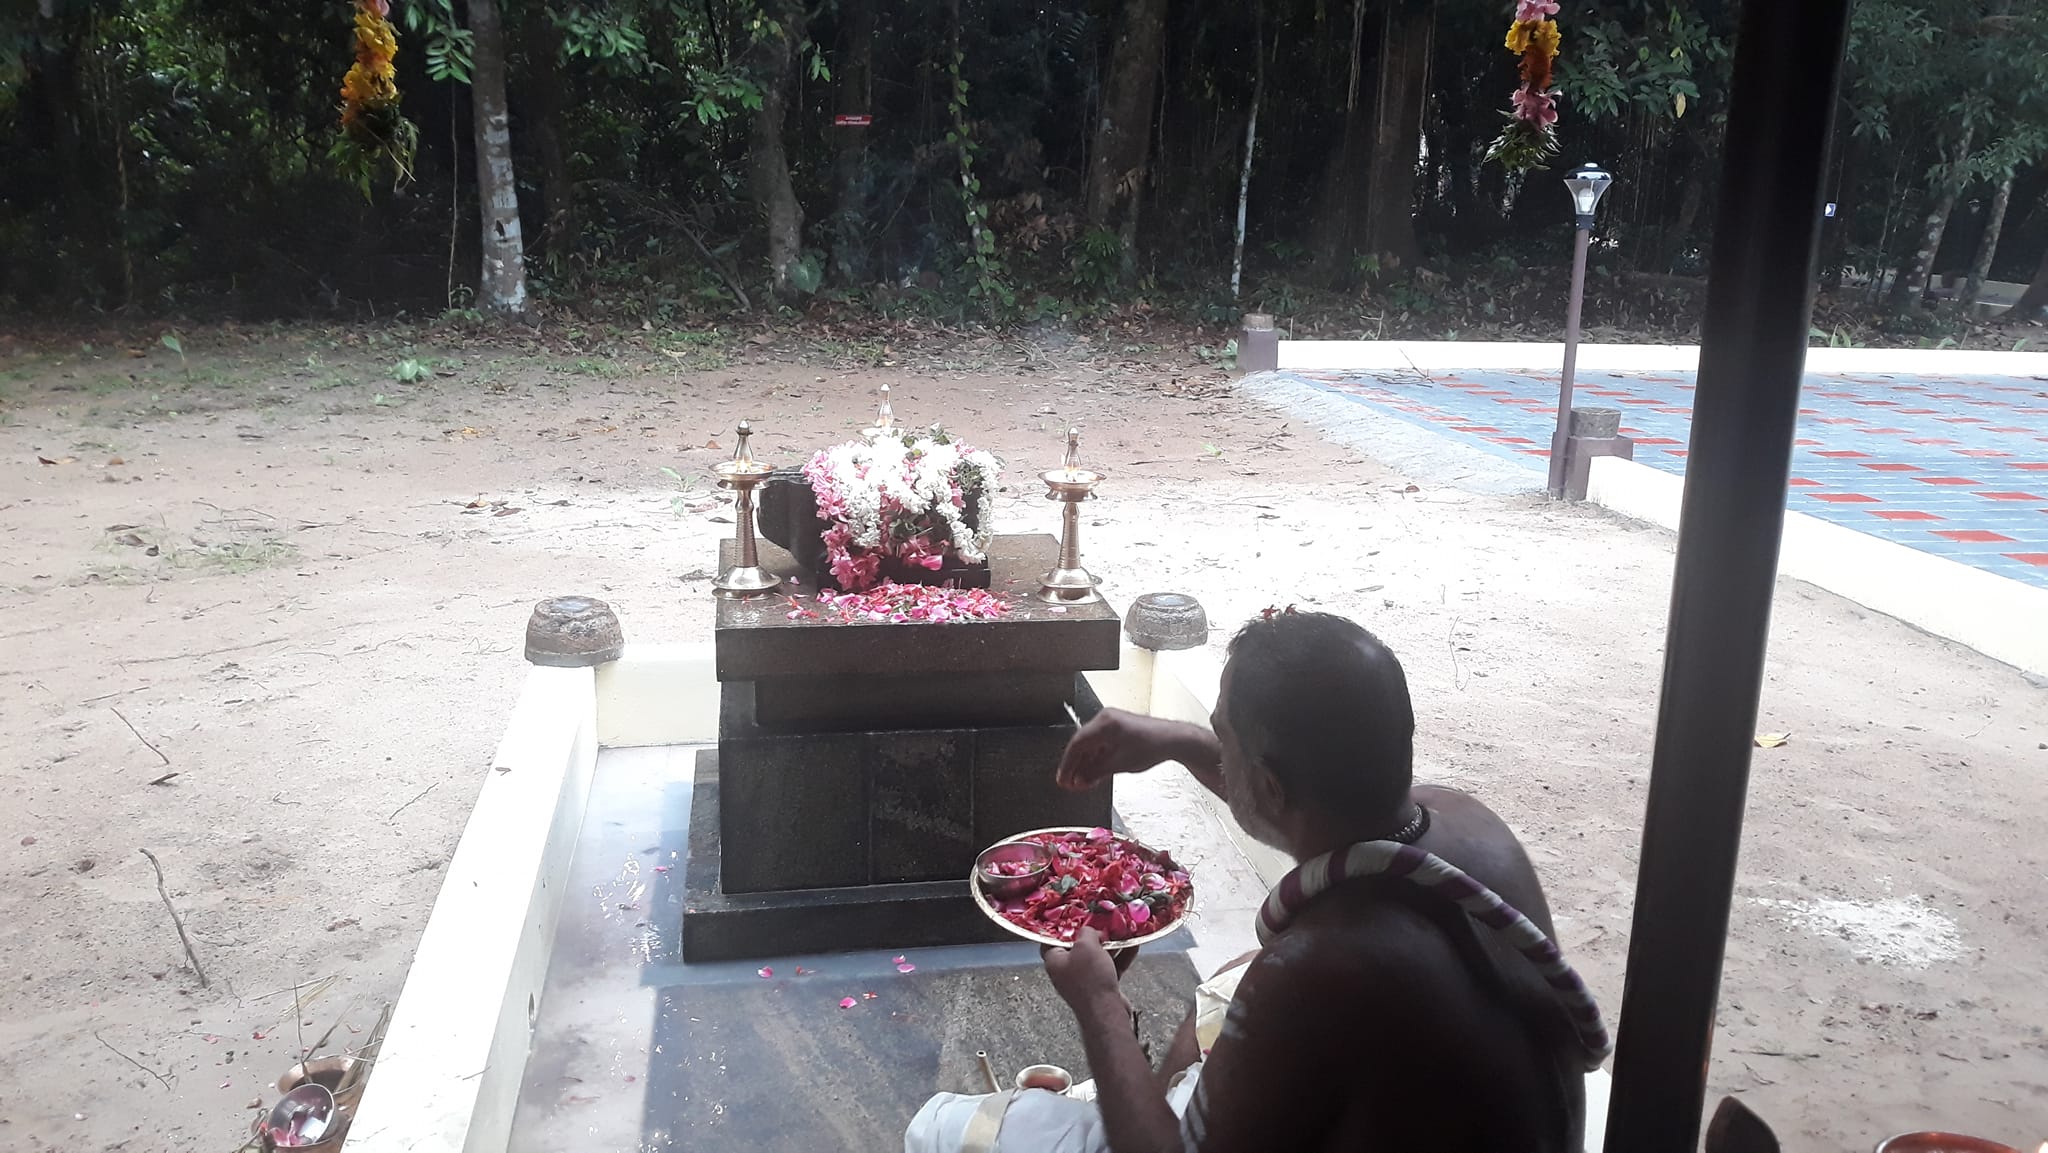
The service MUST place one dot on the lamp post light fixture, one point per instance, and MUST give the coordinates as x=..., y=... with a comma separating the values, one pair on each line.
x=1587, y=184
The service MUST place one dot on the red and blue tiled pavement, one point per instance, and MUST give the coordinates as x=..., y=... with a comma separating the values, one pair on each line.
x=1954, y=467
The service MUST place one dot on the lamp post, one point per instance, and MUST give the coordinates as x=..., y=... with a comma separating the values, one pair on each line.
x=1586, y=183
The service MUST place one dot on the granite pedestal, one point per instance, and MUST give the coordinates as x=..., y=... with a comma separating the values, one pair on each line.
x=861, y=766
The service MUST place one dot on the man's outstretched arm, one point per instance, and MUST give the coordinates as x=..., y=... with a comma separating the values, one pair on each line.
x=1115, y=741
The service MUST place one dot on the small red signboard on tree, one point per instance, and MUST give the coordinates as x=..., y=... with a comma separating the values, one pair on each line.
x=858, y=120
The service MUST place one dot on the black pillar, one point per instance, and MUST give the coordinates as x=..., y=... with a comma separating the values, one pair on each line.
x=1753, y=351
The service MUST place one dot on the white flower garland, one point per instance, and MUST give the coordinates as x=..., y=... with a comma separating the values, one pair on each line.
x=919, y=475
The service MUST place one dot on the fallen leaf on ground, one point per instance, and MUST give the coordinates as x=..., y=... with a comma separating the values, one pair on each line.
x=59, y=460
x=846, y=1002
x=1771, y=740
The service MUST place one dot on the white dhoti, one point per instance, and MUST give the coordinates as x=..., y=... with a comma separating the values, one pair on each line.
x=1039, y=1121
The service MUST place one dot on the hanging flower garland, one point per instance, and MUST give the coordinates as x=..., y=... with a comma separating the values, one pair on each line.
x=372, y=128
x=1531, y=135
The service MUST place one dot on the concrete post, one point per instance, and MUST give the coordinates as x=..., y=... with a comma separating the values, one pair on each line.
x=1258, y=350
x=1592, y=432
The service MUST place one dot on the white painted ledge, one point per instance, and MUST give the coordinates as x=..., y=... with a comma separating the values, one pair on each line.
x=1997, y=616
x=448, y=1074
x=1431, y=356
x=658, y=695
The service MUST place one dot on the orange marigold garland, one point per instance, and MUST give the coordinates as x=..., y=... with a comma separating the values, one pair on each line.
x=372, y=127
x=1530, y=137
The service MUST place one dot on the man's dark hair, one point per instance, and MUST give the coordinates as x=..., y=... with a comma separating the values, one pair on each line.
x=1324, y=705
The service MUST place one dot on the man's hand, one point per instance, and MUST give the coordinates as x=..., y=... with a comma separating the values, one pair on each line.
x=1085, y=974
x=1114, y=741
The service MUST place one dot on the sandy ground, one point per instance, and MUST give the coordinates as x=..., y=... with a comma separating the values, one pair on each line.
x=303, y=585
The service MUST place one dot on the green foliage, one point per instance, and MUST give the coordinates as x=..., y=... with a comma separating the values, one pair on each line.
x=450, y=47
x=807, y=275
x=196, y=168
x=1098, y=261
x=1631, y=57
x=607, y=34
x=410, y=371
x=989, y=288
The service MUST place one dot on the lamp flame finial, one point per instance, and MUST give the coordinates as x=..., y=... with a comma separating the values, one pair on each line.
x=742, y=454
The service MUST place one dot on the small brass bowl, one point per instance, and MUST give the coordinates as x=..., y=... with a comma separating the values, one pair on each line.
x=1003, y=886
x=1050, y=1078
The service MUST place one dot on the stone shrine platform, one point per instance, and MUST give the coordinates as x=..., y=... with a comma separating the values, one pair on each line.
x=862, y=765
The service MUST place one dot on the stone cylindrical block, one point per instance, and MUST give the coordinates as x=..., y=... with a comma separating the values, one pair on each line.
x=1167, y=621
x=573, y=632
x=1258, y=350
x=1595, y=422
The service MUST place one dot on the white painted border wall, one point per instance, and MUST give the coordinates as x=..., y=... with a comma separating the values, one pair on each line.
x=1997, y=616
x=447, y=1076
x=1427, y=356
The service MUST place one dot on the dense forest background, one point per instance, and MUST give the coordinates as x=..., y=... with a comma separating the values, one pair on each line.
x=669, y=159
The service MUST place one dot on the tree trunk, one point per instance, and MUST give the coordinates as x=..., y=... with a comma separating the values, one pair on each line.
x=2035, y=298
x=1912, y=278
x=773, y=60
x=1987, y=248
x=502, y=285
x=853, y=96
x=1398, y=109
x=1123, y=135
x=1348, y=174
x=1251, y=138
x=1688, y=214
x=550, y=104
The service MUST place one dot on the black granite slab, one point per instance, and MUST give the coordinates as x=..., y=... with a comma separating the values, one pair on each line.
x=756, y=638
x=805, y=810
x=774, y=1066
x=723, y=926
x=921, y=700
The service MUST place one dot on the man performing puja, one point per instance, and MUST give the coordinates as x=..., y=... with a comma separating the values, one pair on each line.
x=1408, y=994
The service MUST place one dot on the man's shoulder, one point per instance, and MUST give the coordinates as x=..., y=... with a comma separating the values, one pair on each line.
x=1374, y=946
